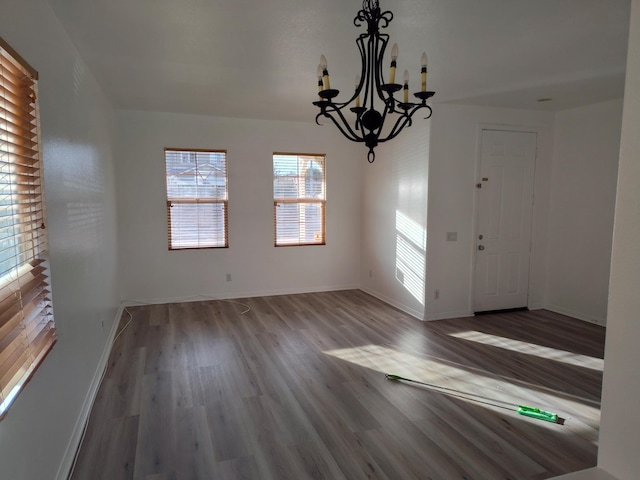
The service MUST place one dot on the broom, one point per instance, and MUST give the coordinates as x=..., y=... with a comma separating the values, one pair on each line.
x=532, y=412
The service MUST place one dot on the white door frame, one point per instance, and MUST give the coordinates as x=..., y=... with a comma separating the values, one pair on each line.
x=507, y=128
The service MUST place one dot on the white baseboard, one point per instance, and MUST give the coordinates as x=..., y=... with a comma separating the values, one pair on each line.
x=74, y=442
x=234, y=295
x=589, y=474
x=448, y=315
x=411, y=311
x=575, y=314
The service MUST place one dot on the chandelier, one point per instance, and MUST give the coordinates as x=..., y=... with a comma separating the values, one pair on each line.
x=373, y=101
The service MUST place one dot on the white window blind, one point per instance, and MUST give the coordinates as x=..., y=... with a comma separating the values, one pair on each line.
x=27, y=331
x=299, y=199
x=197, y=198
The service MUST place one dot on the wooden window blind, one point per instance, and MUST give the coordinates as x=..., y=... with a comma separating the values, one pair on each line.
x=197, y=198
x=299, y=199
x=27, y=331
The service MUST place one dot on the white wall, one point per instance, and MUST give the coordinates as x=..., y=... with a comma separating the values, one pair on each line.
x=394, y=215
x=583, y=189
x=151, y=272
x=620, y=424
x=76, y=127
x=453, y=162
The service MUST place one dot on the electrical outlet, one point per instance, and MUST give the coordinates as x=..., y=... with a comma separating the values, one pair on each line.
x=436, y=294
x=228, y=277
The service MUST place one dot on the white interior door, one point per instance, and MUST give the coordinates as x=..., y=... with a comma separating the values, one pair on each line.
x=505, y=209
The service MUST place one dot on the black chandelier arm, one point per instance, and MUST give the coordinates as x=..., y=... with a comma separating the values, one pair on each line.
x=321, y=114
x=406, y=120
x=363, y=75
x=409, y=109
x=329, y=103
x=385, y=112
x=390, y=103
x=345, y=128
x=340, y=128
x=381, y=43
x=401, y=122
x=430, y=112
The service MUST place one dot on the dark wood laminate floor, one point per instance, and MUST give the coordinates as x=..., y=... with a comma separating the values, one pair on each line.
x=294, y=389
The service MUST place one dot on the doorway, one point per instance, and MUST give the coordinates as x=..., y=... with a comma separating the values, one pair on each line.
x=503, y=218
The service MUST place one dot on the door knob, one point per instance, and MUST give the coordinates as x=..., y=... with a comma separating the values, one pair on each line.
x=480, y=247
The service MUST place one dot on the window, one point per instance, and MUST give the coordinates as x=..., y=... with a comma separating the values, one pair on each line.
x=197, y=205
x=299, y=198
x=27, y=331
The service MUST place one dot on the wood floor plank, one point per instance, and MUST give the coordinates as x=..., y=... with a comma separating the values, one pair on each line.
x=157, y=422
x=244, y=468
x=293, y=387
x=193, y=444
x=225, y=422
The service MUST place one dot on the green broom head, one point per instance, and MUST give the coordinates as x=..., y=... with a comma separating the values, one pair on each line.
x=537, y=413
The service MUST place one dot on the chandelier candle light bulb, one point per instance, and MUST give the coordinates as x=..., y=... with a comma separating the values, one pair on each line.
x=394, y=57
x=423, y=70
x=406, y=86
x=320, y=84
x=325, y=72
x=358, y=97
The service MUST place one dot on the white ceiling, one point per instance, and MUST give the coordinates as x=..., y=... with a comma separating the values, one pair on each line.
x=258, y=59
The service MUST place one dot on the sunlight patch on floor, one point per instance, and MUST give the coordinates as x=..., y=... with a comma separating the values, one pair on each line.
x=549, y=353
x=387, y=360
x=473, y=385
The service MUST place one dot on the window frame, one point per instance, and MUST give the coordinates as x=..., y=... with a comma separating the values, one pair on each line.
x=197, y=200
x=27, y=328
x=301, y=200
